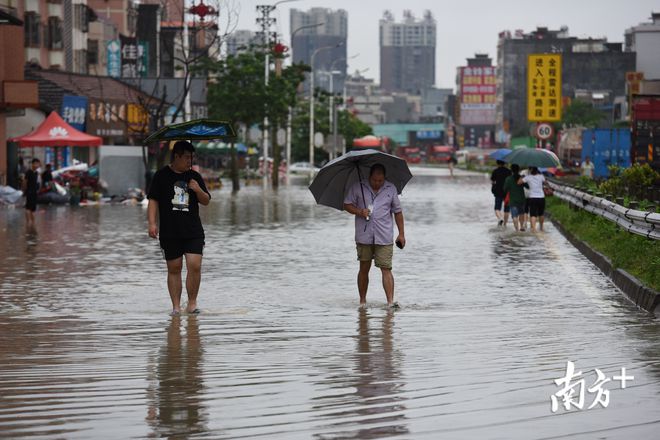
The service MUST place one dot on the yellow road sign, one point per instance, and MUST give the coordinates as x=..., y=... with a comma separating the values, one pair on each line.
x=544, y=87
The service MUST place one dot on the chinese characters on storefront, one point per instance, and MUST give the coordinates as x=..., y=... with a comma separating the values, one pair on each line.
x=544, y=88
x=110, y=118
x=478, y=92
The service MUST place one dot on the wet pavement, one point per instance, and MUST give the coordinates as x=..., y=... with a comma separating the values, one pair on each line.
x=489, y=319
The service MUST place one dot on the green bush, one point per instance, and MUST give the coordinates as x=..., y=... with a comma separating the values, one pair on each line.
x=630, y=181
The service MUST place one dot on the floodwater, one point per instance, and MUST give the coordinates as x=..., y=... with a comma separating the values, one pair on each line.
x=488, y=321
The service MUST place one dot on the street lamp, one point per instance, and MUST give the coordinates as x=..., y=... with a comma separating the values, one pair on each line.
x=311, y=102
x=333, y=110
x=266, y=22
x=290, y=115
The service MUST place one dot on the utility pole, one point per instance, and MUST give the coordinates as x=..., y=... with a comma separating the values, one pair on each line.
x=266, y=21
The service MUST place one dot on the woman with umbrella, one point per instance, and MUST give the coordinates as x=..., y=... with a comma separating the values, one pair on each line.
x=535, y=181
x=534, y=158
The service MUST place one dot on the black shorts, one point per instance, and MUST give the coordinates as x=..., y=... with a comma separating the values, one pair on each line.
x=31, y=203
x=536, y=207
x=174, y=248
x=499, y=201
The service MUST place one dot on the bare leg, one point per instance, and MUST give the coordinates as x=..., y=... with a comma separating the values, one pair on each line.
x=363, y=280
x=516, y=223
x=506, y=217
x=541, y=219
x=29, y=218
x=388, y=285
x=193, y=279
x=498, y=214
x=174, y=282
x=532, y=221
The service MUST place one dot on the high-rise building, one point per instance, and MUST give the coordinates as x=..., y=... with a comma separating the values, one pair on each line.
x=331, y=34
x=240, y=40
x=644, y=39
x=407, y=53
x=592, y=70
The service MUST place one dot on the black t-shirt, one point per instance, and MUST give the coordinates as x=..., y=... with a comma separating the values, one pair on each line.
x=178, y=208
x=32, y=183
x=498, y=176
x=46, y=177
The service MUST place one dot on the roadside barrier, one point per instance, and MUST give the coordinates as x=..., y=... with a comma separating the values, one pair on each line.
x=646, y=224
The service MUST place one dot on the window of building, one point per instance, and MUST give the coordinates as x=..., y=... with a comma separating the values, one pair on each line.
x=80, y=61
x=53, y=33
x=92, y=52
x=32, y=25
x=81, y=18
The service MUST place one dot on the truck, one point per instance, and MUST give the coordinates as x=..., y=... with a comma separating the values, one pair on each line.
x=409, y=154
x=606, y=147
x=645, y=130
x=439, y=154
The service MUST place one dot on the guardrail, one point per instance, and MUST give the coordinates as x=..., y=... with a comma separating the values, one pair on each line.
x=646, y=224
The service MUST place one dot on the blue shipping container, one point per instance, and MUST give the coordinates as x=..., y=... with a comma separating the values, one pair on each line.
x=606, y=147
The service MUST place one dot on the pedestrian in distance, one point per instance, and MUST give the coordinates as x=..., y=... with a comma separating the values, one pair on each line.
x=452, y=163
x=47, y=178
x=374, y=202
x=173, y=215
x=31, y=188
x=497, y=178
x=587, y=168
x=535, y=181
x=516, y=197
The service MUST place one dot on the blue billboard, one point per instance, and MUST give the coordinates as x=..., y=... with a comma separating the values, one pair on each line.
x=74, y=111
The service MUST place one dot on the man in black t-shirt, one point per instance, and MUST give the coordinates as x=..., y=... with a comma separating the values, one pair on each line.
x=497, y=178
x=30, y=188
x=174, y=196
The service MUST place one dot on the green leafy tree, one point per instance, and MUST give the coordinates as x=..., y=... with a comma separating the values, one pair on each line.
x=238, y=93
x=581, y=114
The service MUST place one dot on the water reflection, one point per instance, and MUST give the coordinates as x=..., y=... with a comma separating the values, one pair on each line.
x=378, y=374
x=176, y=406
x=377, y=408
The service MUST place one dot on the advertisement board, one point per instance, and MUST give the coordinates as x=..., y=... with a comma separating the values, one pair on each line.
x=544, y=101
x=478, y=95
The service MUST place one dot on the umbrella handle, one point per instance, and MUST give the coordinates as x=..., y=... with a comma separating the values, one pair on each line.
x=364, y=200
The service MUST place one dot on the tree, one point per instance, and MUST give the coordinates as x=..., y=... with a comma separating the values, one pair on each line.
x=581, y=114
x=351, y=127
x=237, y=93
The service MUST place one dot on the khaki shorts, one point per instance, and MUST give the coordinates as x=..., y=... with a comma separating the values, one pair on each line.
x=381, y=254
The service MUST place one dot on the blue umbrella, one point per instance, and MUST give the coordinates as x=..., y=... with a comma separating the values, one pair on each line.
x=198, y=129
x=337, y=176
x=499, y=154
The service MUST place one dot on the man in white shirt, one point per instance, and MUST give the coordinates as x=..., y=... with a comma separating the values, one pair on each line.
x=587, y=168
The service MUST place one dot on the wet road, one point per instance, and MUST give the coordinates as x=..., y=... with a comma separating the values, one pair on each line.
x=488, y=321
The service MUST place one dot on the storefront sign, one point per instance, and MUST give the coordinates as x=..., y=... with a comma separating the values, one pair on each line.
x=110, y=118
x=113, y=48
x=544, y=87
x=478, y=95
x=74, y=111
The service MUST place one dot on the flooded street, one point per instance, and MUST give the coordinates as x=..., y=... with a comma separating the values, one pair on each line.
x=489, y=319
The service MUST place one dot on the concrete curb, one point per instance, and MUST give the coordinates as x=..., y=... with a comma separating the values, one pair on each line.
x=644, y=297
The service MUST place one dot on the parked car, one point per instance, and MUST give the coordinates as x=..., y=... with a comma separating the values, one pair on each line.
x=303, y=167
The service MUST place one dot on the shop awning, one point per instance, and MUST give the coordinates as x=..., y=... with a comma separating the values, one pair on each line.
x=55, y=132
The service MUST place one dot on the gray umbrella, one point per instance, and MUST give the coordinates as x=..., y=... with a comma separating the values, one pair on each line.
x=334, y=180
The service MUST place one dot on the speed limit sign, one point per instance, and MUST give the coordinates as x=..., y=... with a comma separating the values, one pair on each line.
x=544, y=131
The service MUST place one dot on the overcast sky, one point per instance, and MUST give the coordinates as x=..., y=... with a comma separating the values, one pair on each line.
x=463, y=26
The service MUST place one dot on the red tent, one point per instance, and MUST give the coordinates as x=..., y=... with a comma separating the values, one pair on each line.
x=55, y=132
